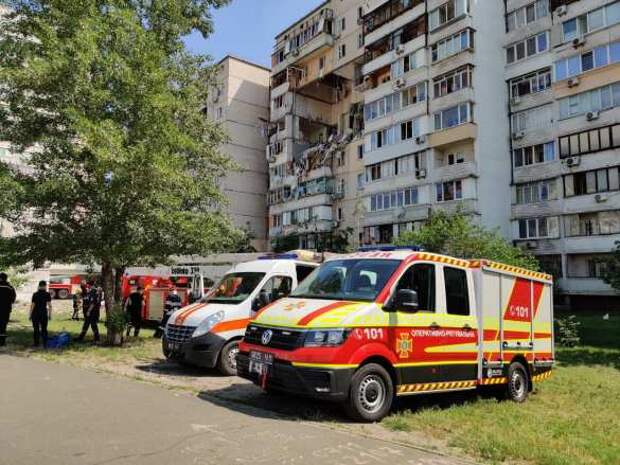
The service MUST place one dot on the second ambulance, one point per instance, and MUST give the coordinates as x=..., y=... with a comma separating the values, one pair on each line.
x=373, y=325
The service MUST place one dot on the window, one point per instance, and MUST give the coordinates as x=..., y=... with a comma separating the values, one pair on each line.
x=360, y=151
x=276, y=288
x=395, y=134
x=343, y=24
x=596, y=58
x=596, y=19
x=278, y=102
x=531, y=119
x=531, y=83
x=394, y=199
x=360, y=40
x=455, y=158
x=303, y=271
x=452, y=82
x=453, y=116
x=420, y=278
x=413, y=94
x=452, y=45
x=533, y=192
x=457, y=293
x=534, y=154
x=591, y=182
x=533, y=228
x=407, y=63
x=342, y=51
x=527, y=48
x=360, y=182
x=447, y=12
x=592, y=140
x=599, y=99
x=527, y=14
x=322, y=62
x=450, y=190
x=382, y=107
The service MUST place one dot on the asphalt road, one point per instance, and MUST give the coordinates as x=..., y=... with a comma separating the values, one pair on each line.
x=54, y=414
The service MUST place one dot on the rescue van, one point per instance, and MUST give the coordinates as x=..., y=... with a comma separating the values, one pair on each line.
x=373, y=325
x=207, y=333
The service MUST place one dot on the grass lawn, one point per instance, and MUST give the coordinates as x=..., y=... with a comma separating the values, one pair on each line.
x=573, y=418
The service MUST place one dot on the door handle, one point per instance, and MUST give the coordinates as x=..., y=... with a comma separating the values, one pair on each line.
x=434, y=325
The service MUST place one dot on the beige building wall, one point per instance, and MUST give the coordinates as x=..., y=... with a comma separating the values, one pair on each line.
x=241, y=104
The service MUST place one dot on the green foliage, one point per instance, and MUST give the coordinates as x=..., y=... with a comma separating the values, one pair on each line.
x=336, y=241
x=457, y=236
x=116, y=320
x=611, y=268
x=18, y=276
x=104, y=103
x=568, y=331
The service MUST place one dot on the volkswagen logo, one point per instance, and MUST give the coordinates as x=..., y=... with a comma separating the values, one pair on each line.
x=266, y=337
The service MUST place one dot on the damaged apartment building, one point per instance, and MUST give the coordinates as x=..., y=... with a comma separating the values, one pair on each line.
x=385, y=111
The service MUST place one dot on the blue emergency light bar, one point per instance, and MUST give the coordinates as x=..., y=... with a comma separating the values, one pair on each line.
x=279, y=256
x=389, y=248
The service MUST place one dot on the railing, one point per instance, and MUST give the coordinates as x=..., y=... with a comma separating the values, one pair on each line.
x=386, y=13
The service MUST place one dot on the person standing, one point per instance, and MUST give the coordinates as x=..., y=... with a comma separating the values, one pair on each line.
x=172, y=304
x=41, y=313
x=7, y=299
x=91, y=318
x=77, y=300
x=133, y=307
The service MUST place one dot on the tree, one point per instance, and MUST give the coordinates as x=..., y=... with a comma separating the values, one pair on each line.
x=121, y=167
x=611, y=268
x=457, y=236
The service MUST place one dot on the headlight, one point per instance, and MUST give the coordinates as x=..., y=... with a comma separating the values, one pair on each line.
x=326, y=338
x=205, y=326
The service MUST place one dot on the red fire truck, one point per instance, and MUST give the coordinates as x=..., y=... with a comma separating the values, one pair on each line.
x=63, y=287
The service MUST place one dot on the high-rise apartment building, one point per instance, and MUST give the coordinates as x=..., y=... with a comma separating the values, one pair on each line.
x=384, y=111
x=563, y=78
x=240, y=102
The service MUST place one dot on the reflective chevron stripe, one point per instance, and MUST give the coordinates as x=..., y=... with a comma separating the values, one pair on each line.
x=429, y=387
x=511, y=269
x=542, y=376
x=488, y=381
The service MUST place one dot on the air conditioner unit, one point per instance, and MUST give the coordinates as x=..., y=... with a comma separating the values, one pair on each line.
x=579, y=41
x=599, y=198
x=531, y=245
x=518, y=134
x=398, y=83
x=420, y=140
x=573, y=161
x=400, y=49
x=515, y=100
x=573, y=82
x=592, y=115
x=561, y=10
x=421, y=174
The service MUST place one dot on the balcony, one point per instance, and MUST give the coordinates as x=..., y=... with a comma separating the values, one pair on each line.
x=456, y=171
x=323, y=40
x=385, y=57
x=463, y=132
x=389, y=18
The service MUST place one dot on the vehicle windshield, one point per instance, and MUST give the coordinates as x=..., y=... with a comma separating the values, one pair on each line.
x=360, y=279
x=234, y=288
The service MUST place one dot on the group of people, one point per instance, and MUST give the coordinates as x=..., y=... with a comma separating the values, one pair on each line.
x=91, y=297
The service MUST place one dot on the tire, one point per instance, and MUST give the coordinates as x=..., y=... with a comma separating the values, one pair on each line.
x=518, y=382
x=371, y=394
x=227, y=363
x=164, y=348
x=53, y=294
x=63, y=294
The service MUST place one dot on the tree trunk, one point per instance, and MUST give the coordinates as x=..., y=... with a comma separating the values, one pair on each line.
x=119, y=271
x=114, y=335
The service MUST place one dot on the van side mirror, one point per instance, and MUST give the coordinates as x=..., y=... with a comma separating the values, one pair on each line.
x=405, y=300
x=261, y=301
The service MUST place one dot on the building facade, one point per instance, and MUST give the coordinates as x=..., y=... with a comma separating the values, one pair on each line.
x=240, y=103
x=384, y=111
x=563, y=79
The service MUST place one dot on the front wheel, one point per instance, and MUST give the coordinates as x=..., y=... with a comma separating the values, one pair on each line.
x=518, y=382
x=165, y=349
x=227, y=363
x=371, y=393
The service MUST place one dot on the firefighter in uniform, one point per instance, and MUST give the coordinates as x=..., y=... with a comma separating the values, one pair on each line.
x=91, y=317
x=172, y=304
x=7, y=299
x=40, y=313
x=133, y=307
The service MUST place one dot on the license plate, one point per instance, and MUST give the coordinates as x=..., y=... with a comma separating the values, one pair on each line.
x=260, y=362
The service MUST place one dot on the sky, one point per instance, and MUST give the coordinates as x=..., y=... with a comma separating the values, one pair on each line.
x=247, y=28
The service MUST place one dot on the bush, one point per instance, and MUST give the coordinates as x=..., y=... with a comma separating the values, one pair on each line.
x=568, y=331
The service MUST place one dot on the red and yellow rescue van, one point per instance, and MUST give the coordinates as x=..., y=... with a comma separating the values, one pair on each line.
x=372, y=325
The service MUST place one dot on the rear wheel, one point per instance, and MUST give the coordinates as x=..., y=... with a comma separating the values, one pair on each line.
x=371, y=393
x=227, y=363
x=518, y=382
x=63, y=294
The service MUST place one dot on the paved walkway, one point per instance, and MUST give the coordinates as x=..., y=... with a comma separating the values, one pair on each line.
x=54, y=414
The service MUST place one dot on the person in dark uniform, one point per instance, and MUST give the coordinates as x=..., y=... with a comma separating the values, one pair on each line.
x=41, y=313
x=77, y=300
x=172, y=304
x=95, y=296
x=85, y=289
x=133, y=307
x=7, y=299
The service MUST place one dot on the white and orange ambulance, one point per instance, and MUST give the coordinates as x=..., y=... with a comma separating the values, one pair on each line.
x=372, y=325
x=207, y=333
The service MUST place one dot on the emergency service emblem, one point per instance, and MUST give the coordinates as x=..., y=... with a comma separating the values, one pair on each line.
x=266, y=337
x=294, y=306
x=404, y=345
